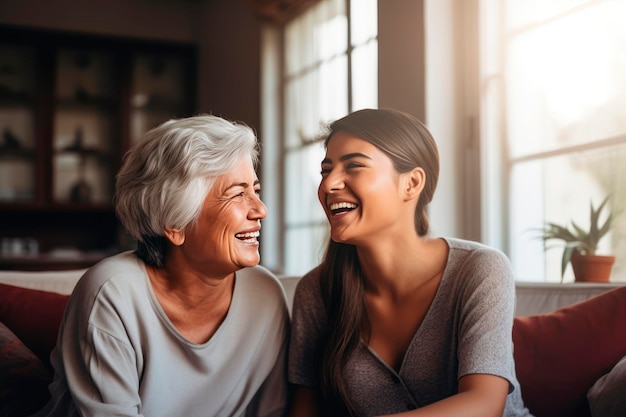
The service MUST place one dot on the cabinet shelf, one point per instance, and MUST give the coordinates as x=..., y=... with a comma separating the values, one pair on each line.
x=57, y=207
x=101, y=156
x=86, y=104
x=7, y=153
x=17, y=101
x=70, y=107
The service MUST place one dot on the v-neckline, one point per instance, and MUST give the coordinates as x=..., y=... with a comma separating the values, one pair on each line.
x=422, y=325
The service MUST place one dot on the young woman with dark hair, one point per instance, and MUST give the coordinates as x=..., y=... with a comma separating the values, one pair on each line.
x=394, y=321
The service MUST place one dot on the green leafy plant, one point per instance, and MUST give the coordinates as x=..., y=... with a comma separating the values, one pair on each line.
x=576, y=239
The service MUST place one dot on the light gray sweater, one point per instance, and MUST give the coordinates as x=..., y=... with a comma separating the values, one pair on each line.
x=118, y=354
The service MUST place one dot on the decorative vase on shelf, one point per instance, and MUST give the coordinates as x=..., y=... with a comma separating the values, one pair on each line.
x=80, y=192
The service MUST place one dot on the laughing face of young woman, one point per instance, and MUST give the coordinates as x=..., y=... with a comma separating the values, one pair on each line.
x=360, y=190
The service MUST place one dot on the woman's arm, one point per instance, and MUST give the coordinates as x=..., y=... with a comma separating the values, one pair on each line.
x=304, y=402
x=480, y=395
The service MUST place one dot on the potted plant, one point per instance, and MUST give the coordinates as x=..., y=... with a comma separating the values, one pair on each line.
x=581, y=246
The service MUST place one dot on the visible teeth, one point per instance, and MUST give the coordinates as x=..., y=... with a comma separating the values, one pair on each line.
x=247, y=235
x=342, y=205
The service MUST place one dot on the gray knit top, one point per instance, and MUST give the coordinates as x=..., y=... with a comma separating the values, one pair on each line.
x=467, y=330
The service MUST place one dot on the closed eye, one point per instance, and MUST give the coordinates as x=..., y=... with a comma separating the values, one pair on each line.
x=354, y=165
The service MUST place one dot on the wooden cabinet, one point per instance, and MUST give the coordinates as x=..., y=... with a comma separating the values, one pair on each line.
x=70, y=107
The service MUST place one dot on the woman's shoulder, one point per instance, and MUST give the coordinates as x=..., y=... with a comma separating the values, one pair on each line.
x=258, y=275
x=111, y=285
x=260, y=293
x=468, y=249
x=310, y=282
x=117, y=269
x=478, y=263
x=258, y=279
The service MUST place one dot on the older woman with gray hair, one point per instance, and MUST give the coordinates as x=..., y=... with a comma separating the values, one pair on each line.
x=188, y=324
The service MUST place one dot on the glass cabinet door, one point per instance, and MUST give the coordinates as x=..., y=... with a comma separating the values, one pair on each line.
x=83, y=127
x=158, y=91
x=18, y=161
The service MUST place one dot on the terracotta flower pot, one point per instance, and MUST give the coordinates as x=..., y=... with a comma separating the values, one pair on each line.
x=592, y=268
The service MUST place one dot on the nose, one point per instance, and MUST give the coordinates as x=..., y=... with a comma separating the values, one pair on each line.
x=332, y=181
x=257, y=208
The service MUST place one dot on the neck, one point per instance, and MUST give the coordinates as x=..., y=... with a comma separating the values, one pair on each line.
x=189, y=288
x=396, y=269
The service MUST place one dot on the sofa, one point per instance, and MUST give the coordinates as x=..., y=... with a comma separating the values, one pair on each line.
x=566, y=337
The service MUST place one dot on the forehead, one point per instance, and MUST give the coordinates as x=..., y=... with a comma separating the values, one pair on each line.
x=242, y=173
x=342, y=143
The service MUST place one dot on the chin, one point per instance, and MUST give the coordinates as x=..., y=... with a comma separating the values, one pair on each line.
x=338, y=238
x=249, y=263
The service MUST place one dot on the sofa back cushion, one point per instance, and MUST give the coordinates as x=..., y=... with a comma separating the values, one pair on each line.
x=33, y=316
x=560, y=355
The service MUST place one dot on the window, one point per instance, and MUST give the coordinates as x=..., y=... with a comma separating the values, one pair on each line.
x=553, y=88
x=329, y=68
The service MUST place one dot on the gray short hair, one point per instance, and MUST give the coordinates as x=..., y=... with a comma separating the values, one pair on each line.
x=166, y=176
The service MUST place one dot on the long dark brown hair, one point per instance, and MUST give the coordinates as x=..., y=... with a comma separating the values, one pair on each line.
x=409, y=144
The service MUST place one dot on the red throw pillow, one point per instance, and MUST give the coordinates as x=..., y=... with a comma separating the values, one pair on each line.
x=23, y=378
x=33, y=316
x=560, y=355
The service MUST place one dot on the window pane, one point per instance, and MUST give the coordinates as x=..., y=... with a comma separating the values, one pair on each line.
x=304, y=122
x=326, y=99
x=316, y=93
x=331, y=33
x=364, y=19
x=365, y=76
x=559, y=190
x=567, y=86
x=315, y=36
x=299, y=51
x=520, y=13
x=526, y=216
x=302, y=180
x=304, y=248
x=333, y=89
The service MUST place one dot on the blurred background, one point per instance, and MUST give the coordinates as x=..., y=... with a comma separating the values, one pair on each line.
x=524, y=97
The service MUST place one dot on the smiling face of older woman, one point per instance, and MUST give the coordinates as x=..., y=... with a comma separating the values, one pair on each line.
x=225, y=237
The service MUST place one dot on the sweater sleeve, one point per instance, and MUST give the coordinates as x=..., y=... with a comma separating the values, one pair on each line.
x=109, y=376
x=101, y=369
x=487, y=310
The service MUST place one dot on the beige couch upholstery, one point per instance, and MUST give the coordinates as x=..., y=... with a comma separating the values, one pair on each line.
x=532, y=297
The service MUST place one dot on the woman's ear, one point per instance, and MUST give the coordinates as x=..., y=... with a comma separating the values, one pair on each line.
x=414, y=181
x=176, y=236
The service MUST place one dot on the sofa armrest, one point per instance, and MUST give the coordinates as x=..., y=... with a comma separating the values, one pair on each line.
x=540, y=297
x=61, y=282
x=560, y=355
